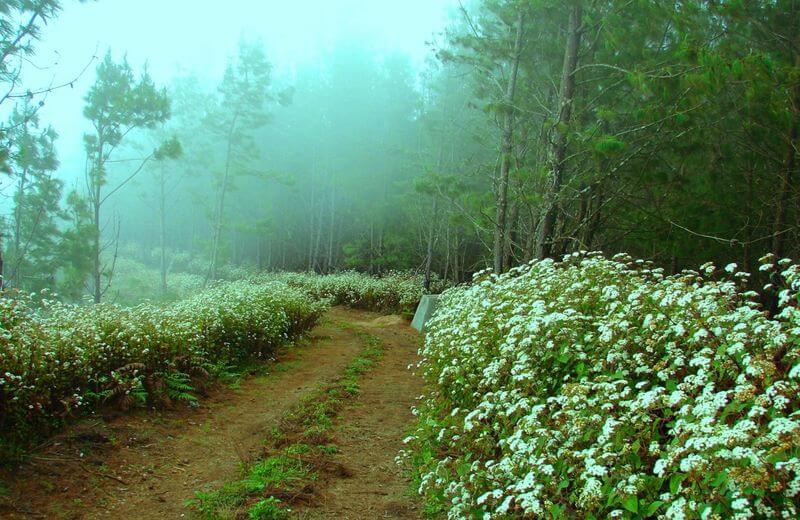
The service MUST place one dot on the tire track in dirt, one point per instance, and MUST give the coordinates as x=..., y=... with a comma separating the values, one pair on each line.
x=152, y=463
x=369, y=434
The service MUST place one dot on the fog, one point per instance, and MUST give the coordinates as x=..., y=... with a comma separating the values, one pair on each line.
x=340, y=100
x=151, y=148
x=176, y=37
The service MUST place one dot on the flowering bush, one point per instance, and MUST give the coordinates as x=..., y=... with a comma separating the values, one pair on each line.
x=394, y=292
x=56, y=358
x=135, y=282
x=597, y=388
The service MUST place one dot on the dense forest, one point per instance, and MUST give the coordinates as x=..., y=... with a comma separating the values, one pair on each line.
x=669, y=131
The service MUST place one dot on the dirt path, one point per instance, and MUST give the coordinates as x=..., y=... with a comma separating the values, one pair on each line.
x=369, y=435
x=147, y=465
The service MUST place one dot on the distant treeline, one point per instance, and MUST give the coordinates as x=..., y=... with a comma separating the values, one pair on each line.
x=668, y=130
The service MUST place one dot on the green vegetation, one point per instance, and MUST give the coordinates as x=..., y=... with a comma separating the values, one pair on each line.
x=392, y=292
x=565, y=382
x=599, y=388
x=667, y=131
x=59, y=359
x=298, y=453
x=62, y=360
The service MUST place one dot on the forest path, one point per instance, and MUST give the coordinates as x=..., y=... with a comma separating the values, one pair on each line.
x=147, y=465
x=370, y=431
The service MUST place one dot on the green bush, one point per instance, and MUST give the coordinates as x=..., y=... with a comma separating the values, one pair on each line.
x=57, y=359
x=596, y=388
x=393, y=292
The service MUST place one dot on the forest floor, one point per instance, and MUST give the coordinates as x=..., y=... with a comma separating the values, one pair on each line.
x=149, y=464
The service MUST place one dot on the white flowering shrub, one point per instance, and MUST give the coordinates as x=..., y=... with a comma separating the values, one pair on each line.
x=134, y=282
x=394, y=292
x=57, y=358
x=597, y=388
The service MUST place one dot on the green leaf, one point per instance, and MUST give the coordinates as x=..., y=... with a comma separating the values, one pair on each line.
x=720, y=479
x=675, y=482
x=631, y=504
x=652, y=508
x=557, y=511
x=608, y=145
x=635, y=459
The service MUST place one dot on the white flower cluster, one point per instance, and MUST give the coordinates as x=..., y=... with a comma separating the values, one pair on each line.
x=393, y=292
x=598, y=388
x=58, y=357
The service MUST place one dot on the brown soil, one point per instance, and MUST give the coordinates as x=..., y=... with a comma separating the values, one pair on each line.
x=370, y=432
x=147, y=465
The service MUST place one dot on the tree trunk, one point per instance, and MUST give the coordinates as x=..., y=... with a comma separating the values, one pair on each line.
x=371, y=250
x=429, y=249
x=2, y=265
x=96, y=264
x=595, y=207
x=447, y=252
x=312, y=225
x=506, y=149
x=318, y=240
x=162, y=217
x=212, y=269
x=96, y=267
x=331, y=229
x=558, y=148
x=456, y=266
x=283, y=257
x=510, y=236
x=787, y=175
x=258, y=253
x=17, y=258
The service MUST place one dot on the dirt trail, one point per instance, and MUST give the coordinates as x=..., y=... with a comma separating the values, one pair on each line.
x=369, y=434
x=147, y=465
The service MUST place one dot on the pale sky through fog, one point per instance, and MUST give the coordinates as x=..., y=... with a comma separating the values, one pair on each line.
x=200, y=35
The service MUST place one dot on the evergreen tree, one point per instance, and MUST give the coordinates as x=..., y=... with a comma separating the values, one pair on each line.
x=242, y=108
x=117, y=104
x=31, y=254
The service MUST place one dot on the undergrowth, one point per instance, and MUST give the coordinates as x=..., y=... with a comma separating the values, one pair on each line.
x=393, y=292
x=603, y=388
x=59, y=361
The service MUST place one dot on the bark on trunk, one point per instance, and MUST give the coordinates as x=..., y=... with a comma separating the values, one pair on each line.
x=162, y=217
x=510, y=236
x=96, y=265
x=787, y=176
x=212, y=269
x=506, y=149
x=2, y=265
x=431, y=240
x=331, y=229
x=595, y=206
x=558, y=148
x=311, y=234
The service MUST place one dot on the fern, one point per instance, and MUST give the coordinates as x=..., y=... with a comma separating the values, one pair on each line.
x=179, y=388
x=139, y=394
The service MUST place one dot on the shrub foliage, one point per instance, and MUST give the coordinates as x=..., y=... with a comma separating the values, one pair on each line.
x=60, y=359
x=398, y=292
x=57, y=358
x=601, y=388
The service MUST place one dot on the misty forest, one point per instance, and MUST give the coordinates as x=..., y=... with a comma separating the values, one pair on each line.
x=218, y=221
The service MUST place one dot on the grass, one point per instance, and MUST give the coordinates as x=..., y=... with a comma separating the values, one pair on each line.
x=298, y=453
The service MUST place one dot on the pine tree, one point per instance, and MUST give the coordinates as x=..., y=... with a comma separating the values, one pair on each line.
x=242, y=108
x=117, y=104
